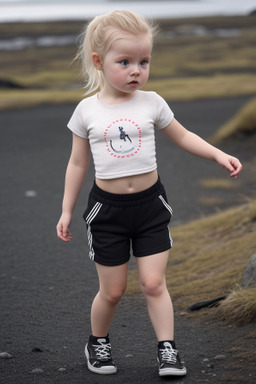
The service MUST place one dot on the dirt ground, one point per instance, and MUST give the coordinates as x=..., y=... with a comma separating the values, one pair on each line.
x=47, y=286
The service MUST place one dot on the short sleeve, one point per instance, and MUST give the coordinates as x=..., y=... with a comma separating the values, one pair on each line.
x=76, y=123
x=164, y=114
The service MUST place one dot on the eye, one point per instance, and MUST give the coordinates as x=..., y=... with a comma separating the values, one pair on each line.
x=143, y=63
x=124, y=63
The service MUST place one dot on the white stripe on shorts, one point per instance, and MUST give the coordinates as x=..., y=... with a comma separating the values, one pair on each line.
x=89, y=218
x=93, y=213
x=167, y=206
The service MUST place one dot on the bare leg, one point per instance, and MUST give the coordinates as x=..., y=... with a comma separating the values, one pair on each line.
x=153, y=285
x=113, y=281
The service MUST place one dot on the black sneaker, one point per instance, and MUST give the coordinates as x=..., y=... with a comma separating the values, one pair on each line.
x=98, y=355
x=169, y=361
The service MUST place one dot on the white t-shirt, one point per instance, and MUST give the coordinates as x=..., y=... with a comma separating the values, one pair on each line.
x=122, y=137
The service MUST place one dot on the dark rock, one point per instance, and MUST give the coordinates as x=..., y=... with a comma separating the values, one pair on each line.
x=37, y=349
x=10, y=84
x=249, y=276
x=207, y=303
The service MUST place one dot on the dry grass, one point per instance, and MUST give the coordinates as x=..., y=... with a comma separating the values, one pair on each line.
x=201, y=87
x=217, y=183
x=209, y=257
x=183, y=68
x=241, y=125
x=240, y=307
x=57, y=87
x=14, y=99
x=251, y=335
x=210, y=201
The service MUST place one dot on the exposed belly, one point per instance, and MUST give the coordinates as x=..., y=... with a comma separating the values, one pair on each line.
x=129, y=184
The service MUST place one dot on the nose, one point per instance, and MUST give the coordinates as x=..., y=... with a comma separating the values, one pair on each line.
x=135, y=70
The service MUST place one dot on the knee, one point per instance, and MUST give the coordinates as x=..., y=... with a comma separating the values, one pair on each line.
x=114, y=295
x=153, y=286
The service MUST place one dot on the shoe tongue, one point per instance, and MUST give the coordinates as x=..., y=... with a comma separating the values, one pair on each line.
x=167, y=344
x=102, y=340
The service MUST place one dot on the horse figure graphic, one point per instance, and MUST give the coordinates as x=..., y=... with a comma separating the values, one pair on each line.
x=123, y=135
x=122, y=148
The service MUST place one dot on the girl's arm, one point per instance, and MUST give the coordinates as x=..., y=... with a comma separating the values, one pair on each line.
x=75, y=175
x=195, y=145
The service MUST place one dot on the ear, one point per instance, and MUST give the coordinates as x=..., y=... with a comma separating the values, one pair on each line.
x=97, y=61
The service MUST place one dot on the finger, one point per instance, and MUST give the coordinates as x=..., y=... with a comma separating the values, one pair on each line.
x=235, y=173
x=68, y=236
x=63, y=233
x=237, y=169
x=59, y=230
x=228, y=167
x=65, y=238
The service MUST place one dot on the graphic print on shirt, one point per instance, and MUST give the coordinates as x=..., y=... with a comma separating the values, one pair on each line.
x=123, y=138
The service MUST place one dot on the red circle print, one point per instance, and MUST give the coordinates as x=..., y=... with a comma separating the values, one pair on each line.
x=123, y=138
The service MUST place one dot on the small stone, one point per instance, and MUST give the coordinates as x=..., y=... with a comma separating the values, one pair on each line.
x=37, y=349
x=5, y=355
x=205, y=360
x=30, y=193
x=220, y=357
x=62, y=369
x=129, y=356
x=37, y=371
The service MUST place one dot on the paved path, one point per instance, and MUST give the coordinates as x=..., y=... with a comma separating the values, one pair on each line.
x=47, y=286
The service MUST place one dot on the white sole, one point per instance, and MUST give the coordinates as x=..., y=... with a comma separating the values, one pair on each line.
x=100, y=371
x=173, y=372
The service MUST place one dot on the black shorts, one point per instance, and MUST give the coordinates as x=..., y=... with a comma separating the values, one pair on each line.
x=118, y=224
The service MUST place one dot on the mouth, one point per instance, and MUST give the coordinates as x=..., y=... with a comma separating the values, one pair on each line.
x=133, y=83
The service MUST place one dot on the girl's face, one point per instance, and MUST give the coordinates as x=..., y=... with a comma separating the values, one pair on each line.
x=126, y=64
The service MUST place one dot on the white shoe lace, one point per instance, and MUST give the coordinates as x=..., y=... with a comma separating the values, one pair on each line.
x=168, y=354
x=102, y=351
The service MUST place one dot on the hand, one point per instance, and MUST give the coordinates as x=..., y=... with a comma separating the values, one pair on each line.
x=230, y=163
x=63, y=227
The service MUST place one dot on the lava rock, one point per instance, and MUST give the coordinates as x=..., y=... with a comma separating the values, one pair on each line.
x=249, y=276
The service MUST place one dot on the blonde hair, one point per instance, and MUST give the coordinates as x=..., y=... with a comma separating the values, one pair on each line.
x=98, y=37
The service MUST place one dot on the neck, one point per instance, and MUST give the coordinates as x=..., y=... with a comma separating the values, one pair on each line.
x=110, y=99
